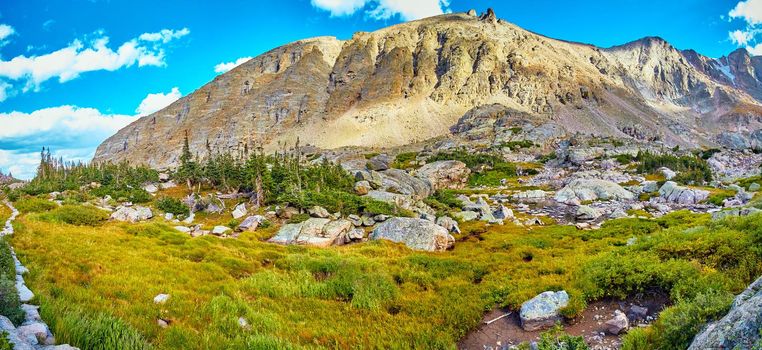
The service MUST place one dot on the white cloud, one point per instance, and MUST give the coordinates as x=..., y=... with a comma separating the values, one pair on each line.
x=69, y=62
x=755, y=50
x=750, y=11
x=70, y=131
x=385, y=9
x=165, y=35
x=157, y=101
x=5, y=32
x=339, y=7
x=740, y=37
x=226, y=66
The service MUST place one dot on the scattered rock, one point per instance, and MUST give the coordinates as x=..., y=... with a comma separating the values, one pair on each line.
x=445, y=174
x=318, y=212
x=466, y=215
x=379, y=162
x=673, y=193
x=637, y=313
x=580, y=190
x=448, y=223
x=132, y=214
x=239, y=211
x=151, y=188
x=33, y=333
x=220, y=230
x=251, y=223
x=161, y=298
x=417, y=234
x=667, y=173
x=362, y=187
x=542, y=311
x=586, y=213
x=618, y=324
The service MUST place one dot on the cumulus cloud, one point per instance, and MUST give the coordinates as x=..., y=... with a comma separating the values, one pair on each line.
x=5, y=32
x=226, y=66
x=385, y=9
x=165, y=35
x=80, y=57
x=157, y=101
x=70, y=131
x=750, y=12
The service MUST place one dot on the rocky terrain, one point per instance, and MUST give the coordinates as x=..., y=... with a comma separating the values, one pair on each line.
x=464, y=77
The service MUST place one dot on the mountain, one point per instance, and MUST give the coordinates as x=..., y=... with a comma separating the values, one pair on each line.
x=423, y=79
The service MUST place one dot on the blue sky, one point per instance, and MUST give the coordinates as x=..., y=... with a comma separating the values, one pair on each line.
x=73, y=72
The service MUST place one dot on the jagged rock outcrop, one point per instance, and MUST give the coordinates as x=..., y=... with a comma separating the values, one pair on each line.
x=739, y=329
x=414, y=81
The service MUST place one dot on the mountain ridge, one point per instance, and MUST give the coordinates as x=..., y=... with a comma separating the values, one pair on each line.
x=413, y=81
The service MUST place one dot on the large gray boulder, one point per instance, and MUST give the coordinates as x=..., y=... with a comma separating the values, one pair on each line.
x=444, y=174
x=417, y=234
x=543, y=311
x=314, y=232
x=740, y=328
x=399, y=181
x=580, y=190
x=673, y=193
x=131, y=214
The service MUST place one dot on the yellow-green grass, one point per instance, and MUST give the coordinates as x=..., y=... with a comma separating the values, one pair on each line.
x=369, y=295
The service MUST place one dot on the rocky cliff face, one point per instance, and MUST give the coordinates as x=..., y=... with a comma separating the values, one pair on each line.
x=415, y=81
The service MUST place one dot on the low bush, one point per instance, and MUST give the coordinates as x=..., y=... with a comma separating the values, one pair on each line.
x=691, y=169
x=172, y=205
x=10, y=306
x=79, y=215
x=34, y=205
x=556, y=339
x=403, y=160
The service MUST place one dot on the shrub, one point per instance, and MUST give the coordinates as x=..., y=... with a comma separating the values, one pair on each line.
x=677, y=325
x=494, y=176
x=171, y=205
x=556, y=339
x=636, y=339
x=692, y=169
x=402, y=160
x=10, y=306
x=79, y=215
x=34, y=205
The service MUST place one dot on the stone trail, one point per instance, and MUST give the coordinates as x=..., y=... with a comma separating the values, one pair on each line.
x=33, y=333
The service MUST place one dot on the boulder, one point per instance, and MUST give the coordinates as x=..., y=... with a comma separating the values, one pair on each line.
x=239, y=211
x=220, y=230
x=445, y=174
x=399, y=181
x=373, y=177
x=362, y=187
x=735, y=212
x=25, y=294
x=151, y=188
x=673, y=193
x=318, y=212
x=287, y=212
x=466, y=215
x=637, y=313
x=754, y=187
x=314, y=232
x=161, y=298
x=471, y=13
x=397, y=199
x=739, y=328
x=530, y=196
x=356, y=234
x=250, y=223
x=650, y=186
x=448, y=223
x=618, y=324
x=543, y=311
x=13, y=337
x=417, y=234
x=183, y=229
x=379, y=162
x=580, y=190
x=31, y=313
x=131, y=214
x=34, y=333
x=667, y=173
x=503, y=213
x=586, y=213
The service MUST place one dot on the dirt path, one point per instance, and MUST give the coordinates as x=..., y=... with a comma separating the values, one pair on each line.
x=507, y=332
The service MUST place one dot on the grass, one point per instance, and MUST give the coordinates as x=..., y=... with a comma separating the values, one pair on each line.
x=370, y=295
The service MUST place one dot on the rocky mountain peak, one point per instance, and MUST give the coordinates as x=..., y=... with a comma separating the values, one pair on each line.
x=413, y=81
